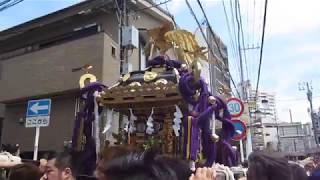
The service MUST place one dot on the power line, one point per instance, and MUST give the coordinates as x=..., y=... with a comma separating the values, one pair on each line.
x=199, y=26
x=254, y=17
x=204, y=36
x=213, y=36
x=211, y=31
x=230, y=35
x=235, y=36
x=8, y=3
x=4, y=2
x=252, y=55
x=243, y=44
x=239, y=51
x=262, y=44
x=248, y=27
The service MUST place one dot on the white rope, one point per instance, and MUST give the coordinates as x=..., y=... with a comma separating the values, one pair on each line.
x=96, y=122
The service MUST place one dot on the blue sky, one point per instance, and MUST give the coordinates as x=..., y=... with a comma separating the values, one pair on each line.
x=292, y=44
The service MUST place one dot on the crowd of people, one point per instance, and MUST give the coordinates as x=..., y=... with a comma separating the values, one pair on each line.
x=127, y=163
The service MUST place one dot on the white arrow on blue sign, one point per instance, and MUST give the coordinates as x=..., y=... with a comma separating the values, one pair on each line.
x=38, y=113
x=39, y=107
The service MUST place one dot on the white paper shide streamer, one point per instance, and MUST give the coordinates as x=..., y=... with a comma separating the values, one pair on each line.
x=177, y=121
x=150, y=128
x=108, y=125
x=131, y=124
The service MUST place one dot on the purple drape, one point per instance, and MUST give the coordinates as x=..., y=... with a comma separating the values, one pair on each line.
x=201, y=116
x=87, y=154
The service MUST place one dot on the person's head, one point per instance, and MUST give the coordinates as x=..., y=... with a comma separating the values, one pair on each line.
x=147, y=166
x=109, y=153
x=263, y=166
x=60, y=167
x=13, y=149
x=24, y=172
x=43, y=165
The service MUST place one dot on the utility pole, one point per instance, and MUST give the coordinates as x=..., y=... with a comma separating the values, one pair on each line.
x=124, y=21
x=302, y=87
x=290, y=116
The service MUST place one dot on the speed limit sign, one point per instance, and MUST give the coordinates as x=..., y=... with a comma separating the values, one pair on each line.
x=235, y=107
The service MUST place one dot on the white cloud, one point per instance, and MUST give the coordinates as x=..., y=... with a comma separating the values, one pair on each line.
x=292, y=16
x=284, y=17
x=309, y=48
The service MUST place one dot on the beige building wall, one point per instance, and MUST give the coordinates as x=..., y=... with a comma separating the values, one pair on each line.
x=49, y=70
x=110, y=63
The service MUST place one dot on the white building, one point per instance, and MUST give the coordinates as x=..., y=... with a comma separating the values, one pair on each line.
x=264, y=118
x=296, y=139
x=266, y=104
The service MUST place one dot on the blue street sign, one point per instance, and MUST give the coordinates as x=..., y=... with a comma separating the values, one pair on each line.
x=39, y=107
x=240, y=128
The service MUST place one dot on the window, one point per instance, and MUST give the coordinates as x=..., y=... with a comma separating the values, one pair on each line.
x=75, y=34
x=142, y=57
x=113, y=51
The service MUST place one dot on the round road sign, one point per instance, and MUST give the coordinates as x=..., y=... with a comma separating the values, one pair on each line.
x=241, y=129
x=235, y=107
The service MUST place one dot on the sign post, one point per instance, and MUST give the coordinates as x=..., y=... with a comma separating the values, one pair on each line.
x=241, y=151
x=38, y=115
x=36, y=144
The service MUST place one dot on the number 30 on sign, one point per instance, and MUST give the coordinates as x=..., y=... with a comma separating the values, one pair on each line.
x=235, y=107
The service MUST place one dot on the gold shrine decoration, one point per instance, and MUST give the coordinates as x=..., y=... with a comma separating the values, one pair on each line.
x=126, y=77
x=161, y=81
x=149, y=76
x=157, y=37
x=188, y=47
x=168, y=135
x=92, y=78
